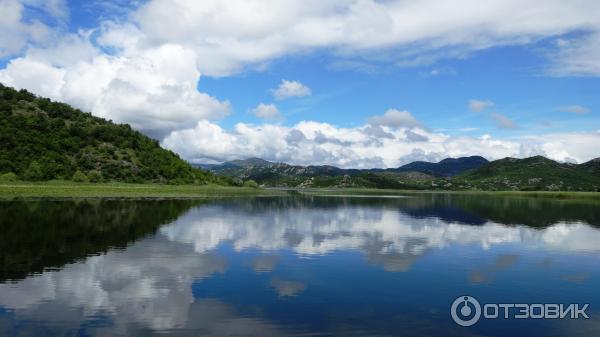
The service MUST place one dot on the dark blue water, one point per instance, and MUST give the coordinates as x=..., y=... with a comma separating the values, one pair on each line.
x=301, y=266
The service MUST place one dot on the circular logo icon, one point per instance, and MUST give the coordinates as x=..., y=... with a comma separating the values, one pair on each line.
x=465, y=310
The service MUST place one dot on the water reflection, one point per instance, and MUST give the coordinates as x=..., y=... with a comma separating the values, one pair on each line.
x=38, y=234
x=375, y=230
x=289, y=266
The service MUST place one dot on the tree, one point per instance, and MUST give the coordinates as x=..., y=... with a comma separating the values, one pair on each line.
x=33, y=172
x=8, y=177
x=250, y=183
x=95, y=176
x=79, y=177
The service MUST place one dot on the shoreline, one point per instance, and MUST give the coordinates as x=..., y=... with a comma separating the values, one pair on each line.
x=508, y=193
x=65, y=189
x=60, y=189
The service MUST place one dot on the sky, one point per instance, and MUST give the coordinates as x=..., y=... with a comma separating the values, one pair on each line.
x=350, y=83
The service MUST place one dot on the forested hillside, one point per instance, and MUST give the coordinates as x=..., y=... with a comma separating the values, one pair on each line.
x=465, y=173
x=533, y=174
x=42, y=140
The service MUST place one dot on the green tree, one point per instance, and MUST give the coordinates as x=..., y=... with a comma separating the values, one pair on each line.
x=250, y=183
x=33, y=172
x=95, y=176
x=79, y=177
x=8, y=177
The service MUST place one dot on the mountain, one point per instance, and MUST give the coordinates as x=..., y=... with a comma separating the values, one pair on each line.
x=249, y=162
x=534, y=173
x=286, y=175
x=448, y=167
x=42, y=140
x=278, y=174
x=250, y=167
x=592, y=166
x=466, y=173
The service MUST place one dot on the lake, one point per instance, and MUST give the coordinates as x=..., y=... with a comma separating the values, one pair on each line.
x=296, y=266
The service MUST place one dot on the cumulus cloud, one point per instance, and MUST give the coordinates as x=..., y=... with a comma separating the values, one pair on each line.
x=576, y=109
x=16, y=31
x=266, y=111
x=366, y=146
x=502, y=121
x=568, y=147
x=395, y=118
x=479, y=105
x=145, y=67
x=412, y=136
x=287, y=89
x=154, y=90
x=227, y=38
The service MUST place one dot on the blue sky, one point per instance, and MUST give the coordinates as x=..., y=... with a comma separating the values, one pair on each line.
x=202, y=76
x=518, y=89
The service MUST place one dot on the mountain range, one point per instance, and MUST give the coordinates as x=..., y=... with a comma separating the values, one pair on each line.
x=464, y=173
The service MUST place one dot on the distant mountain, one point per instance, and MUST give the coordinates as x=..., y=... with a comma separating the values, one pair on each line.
x=249, y=162
x=448, y=167
x=592, y=166
x=534, y=173
x=466, y=173
x=276, y=174
x=42, y=140
x=417, y=175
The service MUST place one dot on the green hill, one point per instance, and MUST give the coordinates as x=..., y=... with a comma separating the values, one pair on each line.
x=534, y=173
x=285, y=175
x=43, y=140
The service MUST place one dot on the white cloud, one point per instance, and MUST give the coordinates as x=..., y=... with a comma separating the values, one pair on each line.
x=229, y=36
x=579, y=56
x=479, y=105
x=287, y=89
x=442, y=71
x=266, y=111
x=395, y=118
x=367, y=146
x=565, y=146
x=576, y=109
x=502, y=121
x=16, y=32
x=144, y=69
x=154, y=90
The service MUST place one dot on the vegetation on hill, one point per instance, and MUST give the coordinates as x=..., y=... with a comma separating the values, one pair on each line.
x=284, y=175
x=532, y=174
x=43, y=140
x=448, y=167
x=467, y=173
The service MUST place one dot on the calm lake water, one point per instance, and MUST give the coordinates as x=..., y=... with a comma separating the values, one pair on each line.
x=297, y=266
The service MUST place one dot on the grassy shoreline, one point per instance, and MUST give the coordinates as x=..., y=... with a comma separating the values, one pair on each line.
x=533, y=194
x=67, y=189
x=64, y=189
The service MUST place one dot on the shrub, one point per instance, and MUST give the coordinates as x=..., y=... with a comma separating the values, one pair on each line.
x=94, y=176
x=33, y=172
x=250, y=183
x=79, y=177
x=8, y=177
